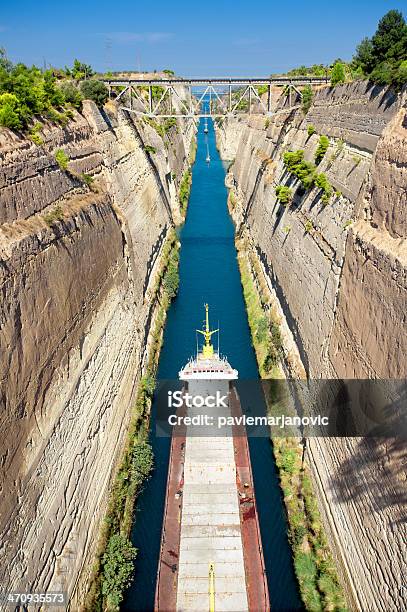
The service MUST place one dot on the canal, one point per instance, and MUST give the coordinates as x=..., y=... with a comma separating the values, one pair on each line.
x=209, y=273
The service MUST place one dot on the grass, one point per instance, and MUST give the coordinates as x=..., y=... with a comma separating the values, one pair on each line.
x=268, y=346
x=105, y=592
x=313, y=563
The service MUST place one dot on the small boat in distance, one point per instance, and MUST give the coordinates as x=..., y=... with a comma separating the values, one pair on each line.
x=208, y=157
x=206, y=126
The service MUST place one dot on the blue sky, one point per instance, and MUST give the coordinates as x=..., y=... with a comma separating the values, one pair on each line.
x=212, y=37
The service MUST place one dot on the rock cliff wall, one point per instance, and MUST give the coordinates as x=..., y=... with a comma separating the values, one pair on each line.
x=78, y=257
x=338, y=271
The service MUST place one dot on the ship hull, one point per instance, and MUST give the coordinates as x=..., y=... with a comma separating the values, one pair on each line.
x=211, y=517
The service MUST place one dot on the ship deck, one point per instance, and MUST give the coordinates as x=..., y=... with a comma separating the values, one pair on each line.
x=210, y=517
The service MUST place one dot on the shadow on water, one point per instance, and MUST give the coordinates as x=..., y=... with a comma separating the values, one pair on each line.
x=209, y=273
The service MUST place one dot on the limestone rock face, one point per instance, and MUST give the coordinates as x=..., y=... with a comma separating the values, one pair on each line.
x=339, y=273
x=75, y=315
x=369, y=338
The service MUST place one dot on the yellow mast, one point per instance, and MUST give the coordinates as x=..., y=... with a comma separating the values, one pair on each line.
x=211, y=587
x=207, y=349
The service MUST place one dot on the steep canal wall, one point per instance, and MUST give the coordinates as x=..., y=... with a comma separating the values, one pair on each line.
x=337, y=271
x=84, y=216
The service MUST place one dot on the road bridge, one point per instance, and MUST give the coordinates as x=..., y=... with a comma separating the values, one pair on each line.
x=203, y=97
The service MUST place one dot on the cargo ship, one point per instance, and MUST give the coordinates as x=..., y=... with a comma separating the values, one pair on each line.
x=211, y=555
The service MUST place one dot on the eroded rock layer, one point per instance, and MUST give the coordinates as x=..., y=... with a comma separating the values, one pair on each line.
x=338, y=271
x=78, y=261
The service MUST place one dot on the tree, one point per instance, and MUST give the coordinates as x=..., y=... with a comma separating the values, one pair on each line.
x=338, y=74
x=321, y=149
x=9, y=112
x=71, y=94
x=364, y=56
x=5, y=63
x=381, y=57
x=81, y=71
x=307, y=95
x=95, y=90
x=390, y=31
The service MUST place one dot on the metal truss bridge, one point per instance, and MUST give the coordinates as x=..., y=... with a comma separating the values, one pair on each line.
x=195, y=98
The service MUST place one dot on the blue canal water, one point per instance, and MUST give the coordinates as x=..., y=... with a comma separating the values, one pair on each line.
x=209, y=273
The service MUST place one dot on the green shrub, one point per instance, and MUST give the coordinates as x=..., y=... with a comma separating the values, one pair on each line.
x=10, y=115
x=71, y=94
x=338, y=74
x=169, y=123
x=262, y=329
x=321, y=149
x=271, y=359
x=150, y=149
x=284, y=194
x=307, y=96
x=95, y=90
x=53, y=216
x=311, y=130
x=322, y=182
x=184, y=190
x=62, y=159
x=34, y=135
x=308, y=227
x=56, y=117
x=287, y=461
x=142, y=461
x=171, y=275
x=303, y=170
x=169, y=72
x=87, y=179
x=80, y=71
x=292, y=159
x=117, y=564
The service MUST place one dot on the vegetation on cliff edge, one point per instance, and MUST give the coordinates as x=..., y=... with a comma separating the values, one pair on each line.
x=29, y=92
x=184, y=190
x=306, y=171
x=382, y=58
